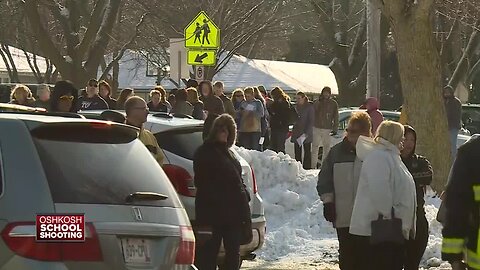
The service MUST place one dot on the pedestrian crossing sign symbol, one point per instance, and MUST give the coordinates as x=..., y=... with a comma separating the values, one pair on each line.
x=202, y=33
x=201, y=57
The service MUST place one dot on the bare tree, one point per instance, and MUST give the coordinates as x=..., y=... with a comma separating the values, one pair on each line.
x=84, y=28
x=343, y=24
x=457, y=26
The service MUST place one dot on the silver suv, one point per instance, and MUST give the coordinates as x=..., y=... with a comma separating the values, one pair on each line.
x=57, y=165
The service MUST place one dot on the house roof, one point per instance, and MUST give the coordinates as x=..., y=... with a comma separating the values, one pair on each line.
x=21, y=61
x=290, y=76
x=239, y=72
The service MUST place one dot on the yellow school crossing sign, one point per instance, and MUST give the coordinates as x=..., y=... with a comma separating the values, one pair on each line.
x=202, y=57
x=202, y=33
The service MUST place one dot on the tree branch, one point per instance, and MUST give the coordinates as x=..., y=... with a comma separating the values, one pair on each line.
x=72, y=39
x=32, y=67
x=93, y=27
x=462, y=64
x=124, y=47
x=11, y=68
x=102, y=38
x=43, y=37
x=359, y=40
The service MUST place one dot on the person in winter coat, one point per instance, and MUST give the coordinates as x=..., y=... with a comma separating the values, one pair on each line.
x=461, y=229
x=421, y=171
x=158, y=101
x=250, y=113
x=122, y=98
x=238, y=97
x=182, y=106
x=453, y=107
x=22, y=95
x=137, y=111
x=213, y=105
x=92, y=101
x=337, y=185
x=218, y=89
x=266, y=97
x=265, y=121
x=303, y=130
x=385, y=186
x=192, y=98
x=64, y=97
x=106, y=94
x=221, y=203
x=372, y=105
x=279, y=119
x=326, y=123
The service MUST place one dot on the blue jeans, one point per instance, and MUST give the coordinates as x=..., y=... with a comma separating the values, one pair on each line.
x=453, y=142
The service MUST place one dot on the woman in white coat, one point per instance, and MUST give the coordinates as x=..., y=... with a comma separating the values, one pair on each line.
x=385, y=183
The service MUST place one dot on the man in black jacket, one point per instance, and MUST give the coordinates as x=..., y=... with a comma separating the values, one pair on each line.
x=92, y=101
x=337, y=185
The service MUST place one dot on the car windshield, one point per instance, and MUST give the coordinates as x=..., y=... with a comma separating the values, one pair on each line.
x=88, y=166
x=181, y=142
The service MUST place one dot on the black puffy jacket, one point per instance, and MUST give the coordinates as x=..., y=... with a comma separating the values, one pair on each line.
x=280, y=115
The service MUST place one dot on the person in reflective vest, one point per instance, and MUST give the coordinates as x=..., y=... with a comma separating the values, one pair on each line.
x=461, y=241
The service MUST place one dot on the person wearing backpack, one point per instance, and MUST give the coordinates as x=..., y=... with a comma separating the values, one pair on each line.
x=280, y=118
x=325, y=124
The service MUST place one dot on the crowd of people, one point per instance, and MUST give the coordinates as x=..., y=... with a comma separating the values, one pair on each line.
x=372, y=184
x=375, y=176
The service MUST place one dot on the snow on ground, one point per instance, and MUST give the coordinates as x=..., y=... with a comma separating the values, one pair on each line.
x=296, y=229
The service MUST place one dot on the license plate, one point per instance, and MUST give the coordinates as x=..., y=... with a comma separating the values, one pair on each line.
x=136, y=250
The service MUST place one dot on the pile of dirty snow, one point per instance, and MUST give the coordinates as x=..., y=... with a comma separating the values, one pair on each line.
x=296, y=228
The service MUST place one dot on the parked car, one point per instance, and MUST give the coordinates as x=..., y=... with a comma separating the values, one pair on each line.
x=471, y=117
x=179, y=137
x=7, y=107
x=344, y=117
x=62, y=165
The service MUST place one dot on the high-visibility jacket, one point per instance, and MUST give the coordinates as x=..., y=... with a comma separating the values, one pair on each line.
x=461, y=232
x=403, y=117
x=151, y=143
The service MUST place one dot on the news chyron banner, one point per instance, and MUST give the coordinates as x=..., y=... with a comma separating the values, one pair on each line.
x=60, y=228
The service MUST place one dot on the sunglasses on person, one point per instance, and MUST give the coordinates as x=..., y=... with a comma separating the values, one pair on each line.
x=66, y=97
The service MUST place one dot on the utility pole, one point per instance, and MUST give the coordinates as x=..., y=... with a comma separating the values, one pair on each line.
x=373, y=50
